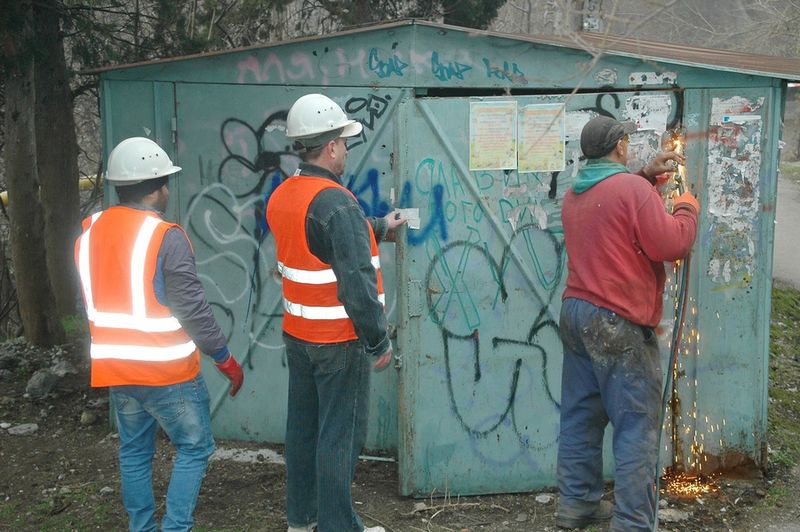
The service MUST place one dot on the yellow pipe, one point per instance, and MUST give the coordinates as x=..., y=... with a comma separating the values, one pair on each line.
x=84, y=183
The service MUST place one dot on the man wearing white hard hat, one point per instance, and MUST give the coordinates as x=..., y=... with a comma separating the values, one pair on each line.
x=333, y=321
x=148, y=320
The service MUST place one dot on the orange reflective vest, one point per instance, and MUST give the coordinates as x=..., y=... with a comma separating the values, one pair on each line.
x=135, y=339
x=312, y=310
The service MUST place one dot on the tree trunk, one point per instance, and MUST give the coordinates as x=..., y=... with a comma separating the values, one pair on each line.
x=56, y=159
x=26, y=224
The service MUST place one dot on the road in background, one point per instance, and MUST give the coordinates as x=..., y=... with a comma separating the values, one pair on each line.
x=786, y=261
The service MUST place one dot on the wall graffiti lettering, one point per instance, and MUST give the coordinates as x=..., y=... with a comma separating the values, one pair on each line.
x=274, y=68
x=385, y=68
x=323, y=65
x=449, y=70
x=507, y=71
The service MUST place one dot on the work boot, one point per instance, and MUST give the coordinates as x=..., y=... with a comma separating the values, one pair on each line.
x=567, y=518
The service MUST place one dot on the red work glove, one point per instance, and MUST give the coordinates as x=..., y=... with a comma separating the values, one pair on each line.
x=661, y=179
x=686, y=199
x=383, y=360
x=233, y=371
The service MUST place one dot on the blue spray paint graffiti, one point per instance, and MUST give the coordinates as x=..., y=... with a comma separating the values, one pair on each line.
x=449, y=70
x=385, y=68
x=435, y=221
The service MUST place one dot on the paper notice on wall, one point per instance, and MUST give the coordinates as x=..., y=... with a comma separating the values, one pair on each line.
x=733, y=202
x=574, y=123
x=492, y=135
x=737, y=110
x=649, y=111
x=542, y=138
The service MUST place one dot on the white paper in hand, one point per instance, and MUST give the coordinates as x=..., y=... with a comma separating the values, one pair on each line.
x=413, y=217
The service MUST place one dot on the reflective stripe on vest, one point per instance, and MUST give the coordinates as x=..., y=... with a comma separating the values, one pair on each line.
x=320, y=313
x=315, y=276
x=312, y=310
x=135, y=352
x=163, y=340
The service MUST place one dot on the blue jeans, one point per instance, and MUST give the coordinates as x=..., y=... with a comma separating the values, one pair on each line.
x=326, y=428
x=182, y=411
x=612, y=372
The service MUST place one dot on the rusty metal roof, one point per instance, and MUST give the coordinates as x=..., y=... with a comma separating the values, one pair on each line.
x=594, y=43
x=762, y=65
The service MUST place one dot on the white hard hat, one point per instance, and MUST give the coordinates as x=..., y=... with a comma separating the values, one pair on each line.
x=137, y=159
x=316, y=114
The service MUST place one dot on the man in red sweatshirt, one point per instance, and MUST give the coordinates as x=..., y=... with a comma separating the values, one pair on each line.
x=618, y=235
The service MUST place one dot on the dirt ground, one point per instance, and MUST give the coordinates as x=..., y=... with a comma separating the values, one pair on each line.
x=64, y=476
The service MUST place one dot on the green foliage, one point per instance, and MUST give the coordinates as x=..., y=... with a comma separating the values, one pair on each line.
x=791, y=171
x=784, y=326
x=103, y=32
x=100, y=32
x=784, y=378
x=47, y=514
x=471, y=13
x=75, y=327
x=776, y=496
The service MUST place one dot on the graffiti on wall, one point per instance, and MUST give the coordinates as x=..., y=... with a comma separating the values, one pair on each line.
x=326, y=66
x=385, y=64
x=226, y=217
x=467, y=290
x=371, y=109
x=499, y=337
x=472, y=283
x=475, y=295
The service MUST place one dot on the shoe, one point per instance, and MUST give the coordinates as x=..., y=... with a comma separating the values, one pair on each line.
x=308, y=528
x=374, y=529
x=571, y=519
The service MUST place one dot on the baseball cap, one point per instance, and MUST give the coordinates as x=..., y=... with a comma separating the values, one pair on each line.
x=601, y=134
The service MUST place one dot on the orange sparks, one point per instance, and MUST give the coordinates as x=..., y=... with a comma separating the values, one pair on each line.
x=683, y=485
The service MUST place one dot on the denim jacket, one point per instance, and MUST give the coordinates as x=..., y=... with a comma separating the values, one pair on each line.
x=337, y=235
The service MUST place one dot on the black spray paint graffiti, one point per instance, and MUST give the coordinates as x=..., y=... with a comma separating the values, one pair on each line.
x=375, y=107
x=266, y=161
x=458, y=253
x=257, y=161
x=543, y=324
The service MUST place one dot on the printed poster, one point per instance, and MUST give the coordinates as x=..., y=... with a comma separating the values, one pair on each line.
x=542, y=138
x=492, y=135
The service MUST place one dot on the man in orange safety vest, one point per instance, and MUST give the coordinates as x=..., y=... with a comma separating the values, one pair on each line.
x=148, y=320
x=333, y=320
